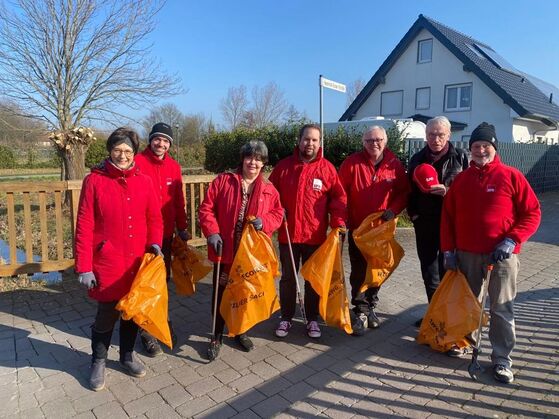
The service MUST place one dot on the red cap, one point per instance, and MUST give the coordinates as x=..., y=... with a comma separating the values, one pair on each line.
x=425, y=176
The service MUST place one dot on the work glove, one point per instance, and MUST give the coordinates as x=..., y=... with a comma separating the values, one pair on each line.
x=215, y=242
x=156, y=250
x=257, y=223
x=342, y=231
x=184, y=235
x=387, y=215
x=88, y=279
x=503, y=250
x=450, y=263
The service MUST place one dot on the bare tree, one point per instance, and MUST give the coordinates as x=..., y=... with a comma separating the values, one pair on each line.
x=234, y=106
x=70, y=62
x=354, y=89
x=168, y=113
x=268, y=105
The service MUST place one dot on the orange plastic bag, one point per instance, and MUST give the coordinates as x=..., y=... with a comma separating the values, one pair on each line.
x=324, y=271
x=375, y=239
x=189, y=266
x=146, y=303
x=452, y=314
x=250, y=295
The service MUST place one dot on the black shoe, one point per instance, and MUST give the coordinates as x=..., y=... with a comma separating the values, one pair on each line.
x=97, y=377
x=213, y=349
x=418, y=322
x=151, y=345
x=245, y=342
x=372, y=319
x=132, y=365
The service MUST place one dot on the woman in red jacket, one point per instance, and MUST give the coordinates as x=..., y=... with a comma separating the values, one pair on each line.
x=231, y=199
x=119, y=219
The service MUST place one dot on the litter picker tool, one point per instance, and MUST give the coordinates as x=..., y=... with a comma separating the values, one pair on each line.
x=474, y=369
x=217, y=272
x=299, y=296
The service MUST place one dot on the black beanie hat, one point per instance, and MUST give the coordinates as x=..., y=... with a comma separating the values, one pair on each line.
x=161, y=129
x=484, y=132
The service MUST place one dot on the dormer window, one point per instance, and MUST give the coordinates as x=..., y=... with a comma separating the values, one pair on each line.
x=425, y=51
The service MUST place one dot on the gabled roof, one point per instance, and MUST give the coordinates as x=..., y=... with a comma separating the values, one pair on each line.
x=516, y=89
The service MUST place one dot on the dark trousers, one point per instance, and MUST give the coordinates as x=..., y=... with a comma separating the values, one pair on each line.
x=363, y=302
x=219, y=320
x=431, y=259
x=166, y=250
x=288, y=287
x=102, y=331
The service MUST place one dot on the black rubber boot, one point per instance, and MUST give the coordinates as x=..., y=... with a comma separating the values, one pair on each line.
x=128, y=333
x=100, y=343
x=245, y=342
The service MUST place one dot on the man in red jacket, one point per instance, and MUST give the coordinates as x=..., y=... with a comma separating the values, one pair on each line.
x=374, y=180
x=487, y=214
x=166, y=176
x=310, y=191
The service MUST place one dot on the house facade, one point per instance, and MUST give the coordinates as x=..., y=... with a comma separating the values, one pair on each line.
x=435, y=70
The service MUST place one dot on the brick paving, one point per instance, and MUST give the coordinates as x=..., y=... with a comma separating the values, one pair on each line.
x=44, y=357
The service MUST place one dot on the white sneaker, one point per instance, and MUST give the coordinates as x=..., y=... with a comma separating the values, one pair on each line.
x=283, y=329
x=313, y=330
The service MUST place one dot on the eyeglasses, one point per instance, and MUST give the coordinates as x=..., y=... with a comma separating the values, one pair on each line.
x=432, y=135
x=374, y=140
x=119, y=152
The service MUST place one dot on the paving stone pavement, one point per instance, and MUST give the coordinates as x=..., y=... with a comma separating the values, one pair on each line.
x=44, y=357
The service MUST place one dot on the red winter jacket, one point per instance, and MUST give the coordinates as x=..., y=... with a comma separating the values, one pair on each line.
x=167, y=180
x=309, y=192
x=370, y=190
x=118, y=220
x=219, y=211
x=486, y=205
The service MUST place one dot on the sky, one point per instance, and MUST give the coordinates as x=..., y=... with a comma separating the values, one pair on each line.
x=214, y=45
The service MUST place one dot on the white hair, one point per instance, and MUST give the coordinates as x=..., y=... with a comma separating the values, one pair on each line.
x=442, y=120
x=375, y=127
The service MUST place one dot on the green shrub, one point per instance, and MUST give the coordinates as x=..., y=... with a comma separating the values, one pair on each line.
x=7, y=158
x=96, y=153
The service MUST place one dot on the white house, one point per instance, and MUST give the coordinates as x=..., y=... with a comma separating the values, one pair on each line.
x=435, y=70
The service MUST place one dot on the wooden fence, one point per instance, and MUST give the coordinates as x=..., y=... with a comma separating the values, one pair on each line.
x=35, y=219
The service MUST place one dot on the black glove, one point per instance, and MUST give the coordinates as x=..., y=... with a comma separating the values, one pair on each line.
x=257, y=223
x=184, y=235
x=156, y=250
x=503, y=250
x=88, y=279
x=387, y=215
x=215, y=242
x=450, y=263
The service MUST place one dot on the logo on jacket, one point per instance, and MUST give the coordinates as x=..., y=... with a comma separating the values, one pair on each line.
x=317, y=185
x=169, y=181
x=491, y=188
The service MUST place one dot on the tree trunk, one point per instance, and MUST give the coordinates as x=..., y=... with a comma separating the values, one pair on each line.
x=74, y=162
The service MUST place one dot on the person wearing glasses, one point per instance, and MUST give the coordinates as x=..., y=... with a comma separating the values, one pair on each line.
x=425, y=207
x=374, y=180
x=118, y=221
x=165, y=173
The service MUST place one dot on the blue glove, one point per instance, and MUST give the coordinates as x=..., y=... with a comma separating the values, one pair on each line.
x=216, y=242
x=257, y=223
x=156, y=250
x=450, y=263
x=387, y=215
x=503, y=250
x=184, y=235
x=88, y=279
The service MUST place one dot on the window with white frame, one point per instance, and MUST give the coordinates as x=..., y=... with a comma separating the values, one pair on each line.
x=458, y=97
x=391, y=103
x=425, y=51
x=423, y=98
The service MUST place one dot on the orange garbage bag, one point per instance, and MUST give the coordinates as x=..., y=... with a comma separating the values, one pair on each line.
x=452, y=315
x=250, y=295
x=189, y=266
x=375, y=239
x=147, y=301
x=324, y=271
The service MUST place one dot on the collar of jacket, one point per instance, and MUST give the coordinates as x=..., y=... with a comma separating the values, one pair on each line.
x=152, y=157
x=489, y=166
x=387, y=157
x=108, y=169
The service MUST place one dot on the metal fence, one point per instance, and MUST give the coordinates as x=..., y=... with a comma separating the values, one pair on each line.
x=538, y=162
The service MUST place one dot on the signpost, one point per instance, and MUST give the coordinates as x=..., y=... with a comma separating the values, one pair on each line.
x=329, y=84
